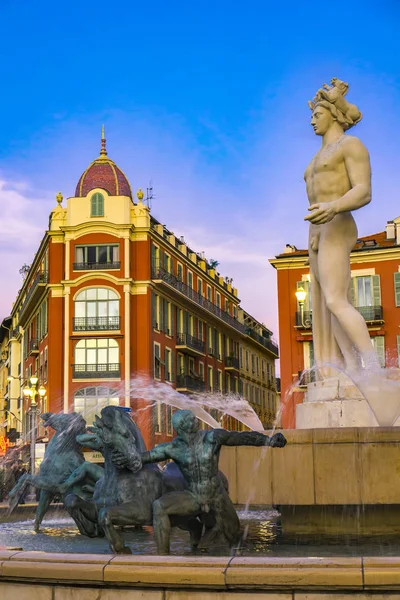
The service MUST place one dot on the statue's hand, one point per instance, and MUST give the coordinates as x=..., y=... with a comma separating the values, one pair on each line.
x=321, y=213
x=123, y=461
x=278, y=440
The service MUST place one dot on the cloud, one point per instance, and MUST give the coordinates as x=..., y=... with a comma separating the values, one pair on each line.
x=21, y=229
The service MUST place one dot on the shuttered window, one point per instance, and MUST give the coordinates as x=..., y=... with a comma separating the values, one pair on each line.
x=365, y=291
x=378, y=343
x=397, y=289
x=97, y=205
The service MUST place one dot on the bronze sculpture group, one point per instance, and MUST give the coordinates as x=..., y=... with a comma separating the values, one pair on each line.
x=189, y=492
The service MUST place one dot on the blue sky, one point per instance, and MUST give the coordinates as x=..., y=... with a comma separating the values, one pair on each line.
x=209, y=101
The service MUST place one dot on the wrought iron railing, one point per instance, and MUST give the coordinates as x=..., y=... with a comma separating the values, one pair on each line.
x=266, y=342
x=40, y=277
x=370, y=313
x=96, y=323
x=173, y=281
x=185, y=339
x=34, y=345
x=190, y=383
x=95, y=266
x=98, y=371
x=231, y=362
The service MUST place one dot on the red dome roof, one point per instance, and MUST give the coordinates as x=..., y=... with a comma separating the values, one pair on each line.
x=103, y=173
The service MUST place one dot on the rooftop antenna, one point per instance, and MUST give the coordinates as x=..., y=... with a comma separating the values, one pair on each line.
x=150, y=194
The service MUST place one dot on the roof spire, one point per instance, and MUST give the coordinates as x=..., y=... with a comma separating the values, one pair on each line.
x=103, y=151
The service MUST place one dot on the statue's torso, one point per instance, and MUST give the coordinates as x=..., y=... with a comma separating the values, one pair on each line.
x=326, y=176
x=198, y=462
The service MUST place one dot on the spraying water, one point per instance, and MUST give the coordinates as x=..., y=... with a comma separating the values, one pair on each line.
x=233, y=405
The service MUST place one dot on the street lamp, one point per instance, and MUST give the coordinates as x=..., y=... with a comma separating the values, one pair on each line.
x=32, y=392
x=301, y=296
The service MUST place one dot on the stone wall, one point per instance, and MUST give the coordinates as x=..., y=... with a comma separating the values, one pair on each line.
x=318, y=467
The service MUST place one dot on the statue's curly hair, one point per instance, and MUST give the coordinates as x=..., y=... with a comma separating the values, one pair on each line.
x=344, y=120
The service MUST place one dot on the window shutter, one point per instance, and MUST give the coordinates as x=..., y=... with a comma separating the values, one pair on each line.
x=352, y=291
x=376, y=290
x=379, y=345
x=154, y=310
x=156, y=355
x=165, y=315
x=166, y=368
x=397, y=288
x=215, y=341
x=185, y=322
x=97, y=205
x=172, y=365
x=172, y=332
x=161, y=314
x=153, y=260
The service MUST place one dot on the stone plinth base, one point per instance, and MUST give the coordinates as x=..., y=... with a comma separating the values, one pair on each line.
x=334, y=413
x=334, y=402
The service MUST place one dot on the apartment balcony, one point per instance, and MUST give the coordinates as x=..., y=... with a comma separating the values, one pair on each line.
x=99, y=371
x=97, y=266
x=159, y=274
x=189, y=344
x=269, y=344
x=96, y=323
x=232, y=363
x=34, y=346
x=371, y=314
x=186, y=383
x=33, y=297
x=214, y=353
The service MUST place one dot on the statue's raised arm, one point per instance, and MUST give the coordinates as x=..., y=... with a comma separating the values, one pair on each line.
x=247, y=438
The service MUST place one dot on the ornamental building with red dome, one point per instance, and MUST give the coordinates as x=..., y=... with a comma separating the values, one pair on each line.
x=111, y=294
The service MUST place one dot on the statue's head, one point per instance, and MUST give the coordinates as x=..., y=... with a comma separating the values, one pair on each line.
x=72, y=423
x=322, y=118
x=118, y=432
x=185, y=421
x=329, y=106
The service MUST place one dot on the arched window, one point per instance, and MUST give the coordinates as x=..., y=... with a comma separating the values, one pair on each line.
x=90, y=400
x=97, y=205
x=97, y=358
x=96, y=309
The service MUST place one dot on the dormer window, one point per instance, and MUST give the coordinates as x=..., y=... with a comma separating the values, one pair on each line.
x=97, y=205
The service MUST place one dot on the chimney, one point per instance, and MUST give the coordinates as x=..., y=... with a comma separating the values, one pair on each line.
x=390, y=230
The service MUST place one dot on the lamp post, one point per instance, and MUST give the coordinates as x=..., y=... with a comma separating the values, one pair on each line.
x=32, y=392
x=301, y=296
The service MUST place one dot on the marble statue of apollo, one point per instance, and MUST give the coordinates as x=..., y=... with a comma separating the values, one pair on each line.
x=338, y=181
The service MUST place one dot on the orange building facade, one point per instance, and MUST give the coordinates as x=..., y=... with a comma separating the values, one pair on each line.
x=374, y=291
x=112, y=294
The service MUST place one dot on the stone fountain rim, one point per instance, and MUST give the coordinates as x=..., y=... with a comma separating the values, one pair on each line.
x=219, y=573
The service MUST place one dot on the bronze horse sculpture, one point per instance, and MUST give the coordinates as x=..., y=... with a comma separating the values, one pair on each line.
x=125, y=496
x=62, y=456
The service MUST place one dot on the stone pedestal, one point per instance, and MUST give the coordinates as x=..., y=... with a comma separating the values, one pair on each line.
x=334, y=402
